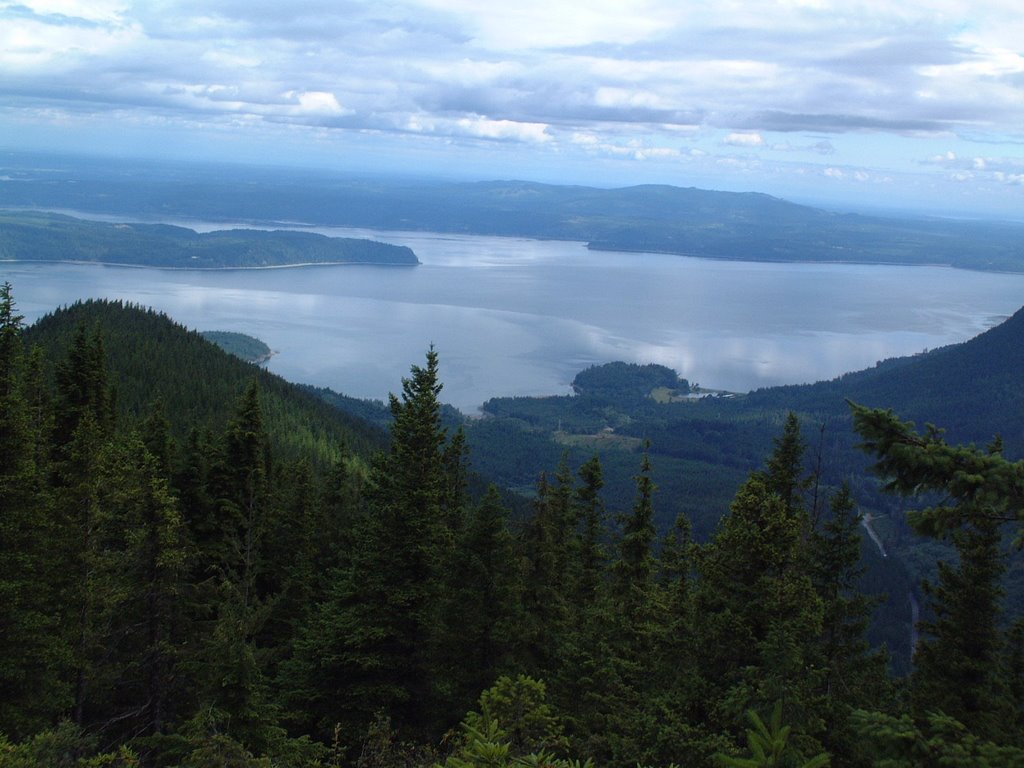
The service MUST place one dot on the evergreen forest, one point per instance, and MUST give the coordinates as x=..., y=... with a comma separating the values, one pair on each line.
x=204, y=566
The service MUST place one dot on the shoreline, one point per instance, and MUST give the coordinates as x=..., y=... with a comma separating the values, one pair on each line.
x=298, y=226
x=81, y=262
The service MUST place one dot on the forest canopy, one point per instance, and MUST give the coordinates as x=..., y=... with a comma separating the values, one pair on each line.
x=195, y=588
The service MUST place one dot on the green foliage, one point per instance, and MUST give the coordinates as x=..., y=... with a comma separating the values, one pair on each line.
x=515, y=711
x=197, y=383
x=65, y=746
x=897, y=741
x=958, y=667
x=619, y=381
x=768, y=744
x=975, y=484
x=193, y=587
x=32, y=651
x=635, y=566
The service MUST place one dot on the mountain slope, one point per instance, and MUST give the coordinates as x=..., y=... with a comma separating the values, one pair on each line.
x=151, y=358
x=974, y=389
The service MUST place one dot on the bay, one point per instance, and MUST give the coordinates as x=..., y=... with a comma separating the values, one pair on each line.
x=521, y=317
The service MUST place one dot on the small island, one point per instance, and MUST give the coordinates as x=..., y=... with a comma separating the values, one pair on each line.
x=34, y=236
x=629, y=381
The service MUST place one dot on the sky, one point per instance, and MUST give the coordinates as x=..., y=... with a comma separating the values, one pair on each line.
x=845, y=103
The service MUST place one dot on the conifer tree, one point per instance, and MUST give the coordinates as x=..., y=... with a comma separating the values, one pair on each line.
x=137, y=568
x=370, y=645
x=785, y=465
x=82, y=426
x=233, y=605
x=760, y=612
x=958, y=662
x=239, y=482
x=544, y=604
x=852, y=675
x=592, y=554
x=32, y=654
x=480, y=607
x=289, y=579
x=634, y=568
x=82, y=389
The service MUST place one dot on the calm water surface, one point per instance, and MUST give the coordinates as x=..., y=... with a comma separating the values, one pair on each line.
x=521, y=317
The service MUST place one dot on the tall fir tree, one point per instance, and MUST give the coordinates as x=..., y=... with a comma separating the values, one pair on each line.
x=959, y=663
x=480, y=617
x=371, y=645
x=957, y=667
x=761, y=614
x=32, y=651
x=593, y=558
x=853, y=676
x=634, y=568
x=82, y=426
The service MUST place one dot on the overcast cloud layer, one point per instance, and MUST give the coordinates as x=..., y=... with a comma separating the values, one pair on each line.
x=911, y=103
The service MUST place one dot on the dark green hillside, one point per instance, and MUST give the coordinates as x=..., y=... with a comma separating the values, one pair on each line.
x=974, y=389
x=52, y=237
x=249, y=348
x=701, y=449
x=150, y=358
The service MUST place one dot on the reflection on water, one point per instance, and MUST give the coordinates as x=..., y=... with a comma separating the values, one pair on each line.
x=521, y=317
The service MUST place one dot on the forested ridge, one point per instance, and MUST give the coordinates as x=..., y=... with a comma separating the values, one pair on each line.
x=35, y=236
x=660, y=218
x=203, y=565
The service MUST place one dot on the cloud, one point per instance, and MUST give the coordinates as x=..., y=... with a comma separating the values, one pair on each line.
x=648, y=80
x=744, y=140
x=568, y=62
x=1008, y=171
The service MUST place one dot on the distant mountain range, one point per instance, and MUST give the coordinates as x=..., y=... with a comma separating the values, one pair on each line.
x=667, y=219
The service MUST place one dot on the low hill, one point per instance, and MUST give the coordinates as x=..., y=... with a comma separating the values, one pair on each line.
x=661, y=218
x=151, y=358
x=28, y=236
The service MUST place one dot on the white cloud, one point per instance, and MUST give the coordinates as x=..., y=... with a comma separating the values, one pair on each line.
x=485, y=128
x=628, y=79
x=744, y=140
x=91, y=10
x=479, y=127
x=316, y=103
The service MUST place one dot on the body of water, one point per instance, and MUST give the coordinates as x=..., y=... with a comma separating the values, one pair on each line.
x=522, y=317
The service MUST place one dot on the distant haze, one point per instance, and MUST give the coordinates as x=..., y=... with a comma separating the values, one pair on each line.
x=914, y=105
